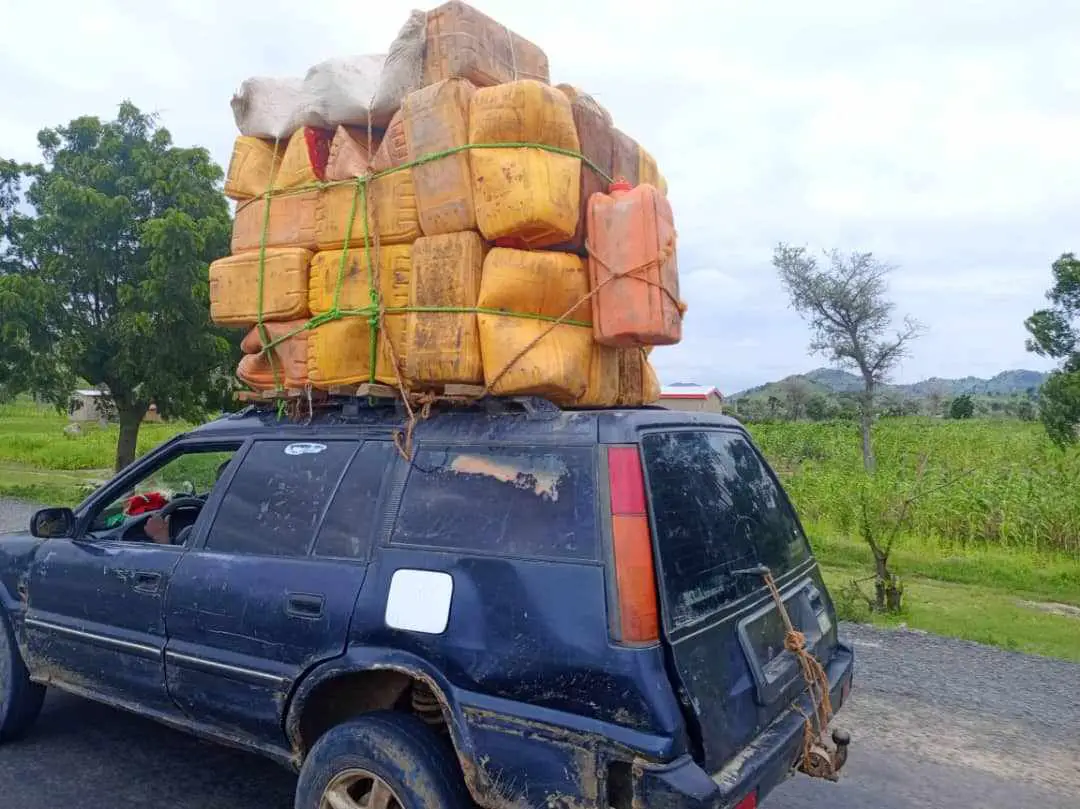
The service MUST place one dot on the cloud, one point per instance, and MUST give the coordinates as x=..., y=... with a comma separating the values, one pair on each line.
x=943, y=137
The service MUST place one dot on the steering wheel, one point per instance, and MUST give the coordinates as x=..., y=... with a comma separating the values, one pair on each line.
x=175, y=505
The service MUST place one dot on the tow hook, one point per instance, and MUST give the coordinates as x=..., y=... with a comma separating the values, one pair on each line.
x=823, y=762
x=841, y=738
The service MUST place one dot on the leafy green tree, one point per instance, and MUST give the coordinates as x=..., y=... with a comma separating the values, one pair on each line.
x=962, y=407
x=1055, y=333
x=1025, y=410
x=104, y=262
x=847, y=307
x=818, y=407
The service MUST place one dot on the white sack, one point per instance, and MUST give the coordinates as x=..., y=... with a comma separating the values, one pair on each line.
x=268, y=108
x=340, y=91
x=403, y=72
x=337, y=91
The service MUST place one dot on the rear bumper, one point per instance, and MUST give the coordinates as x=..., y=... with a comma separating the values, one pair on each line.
x=762, y=765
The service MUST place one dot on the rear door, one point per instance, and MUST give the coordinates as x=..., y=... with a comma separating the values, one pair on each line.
x=718, y=516
x=268, y=591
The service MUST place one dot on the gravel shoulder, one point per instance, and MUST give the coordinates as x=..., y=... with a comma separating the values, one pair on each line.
x=15, y=514
x=943, y=722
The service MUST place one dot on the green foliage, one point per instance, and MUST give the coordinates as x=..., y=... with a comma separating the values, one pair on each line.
x=962, y=407
x=1017, y=621
x=1014, y=488
x=1055, y=333
x=106, y=278
x=1053, y=575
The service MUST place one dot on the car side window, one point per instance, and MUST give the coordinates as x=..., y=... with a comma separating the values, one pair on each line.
x=515, y=501
x=187, y=472
x=277, y=497
x=350, y=521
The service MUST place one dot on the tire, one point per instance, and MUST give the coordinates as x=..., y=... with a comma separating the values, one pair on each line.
x=418, y=766
x=20, y=699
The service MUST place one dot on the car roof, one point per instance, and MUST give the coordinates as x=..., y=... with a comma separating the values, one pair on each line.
x=502, y=421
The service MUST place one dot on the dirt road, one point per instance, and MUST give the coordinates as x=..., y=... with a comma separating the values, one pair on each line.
x=935, y=722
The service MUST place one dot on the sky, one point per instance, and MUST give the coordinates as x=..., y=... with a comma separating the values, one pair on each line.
x=944, y=137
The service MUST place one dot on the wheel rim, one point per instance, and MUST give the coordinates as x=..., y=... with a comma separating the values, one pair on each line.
x=359, y=789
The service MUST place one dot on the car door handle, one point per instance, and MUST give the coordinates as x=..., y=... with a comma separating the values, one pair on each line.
x=147, y=581
x=305, y=606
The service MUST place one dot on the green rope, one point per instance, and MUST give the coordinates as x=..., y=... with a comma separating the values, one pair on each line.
x=360, y=201
x=360, y=182
x=264, y=334
x=373, y=294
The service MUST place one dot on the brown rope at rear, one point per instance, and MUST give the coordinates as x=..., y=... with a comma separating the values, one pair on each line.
x=817, y=681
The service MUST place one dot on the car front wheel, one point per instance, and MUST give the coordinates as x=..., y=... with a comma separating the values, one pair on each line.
x=381, y=760
x=20, y=699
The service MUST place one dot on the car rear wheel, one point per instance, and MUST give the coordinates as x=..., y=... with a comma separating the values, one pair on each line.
x=381, y=760
x=20, y=699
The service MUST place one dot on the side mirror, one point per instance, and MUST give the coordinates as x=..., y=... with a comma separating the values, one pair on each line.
x=52, y=523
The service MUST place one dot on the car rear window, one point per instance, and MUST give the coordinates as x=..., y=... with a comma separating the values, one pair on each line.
x=717, y=510
x=534, y=502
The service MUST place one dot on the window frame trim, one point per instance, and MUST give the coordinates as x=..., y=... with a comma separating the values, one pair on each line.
x=199, y=542
x=378, y=513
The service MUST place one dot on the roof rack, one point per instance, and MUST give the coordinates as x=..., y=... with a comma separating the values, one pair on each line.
x=352, y=399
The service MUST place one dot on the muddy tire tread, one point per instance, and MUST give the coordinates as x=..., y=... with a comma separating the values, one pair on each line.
x=366, y=741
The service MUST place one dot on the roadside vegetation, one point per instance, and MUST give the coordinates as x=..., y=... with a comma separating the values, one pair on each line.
x=993, y=555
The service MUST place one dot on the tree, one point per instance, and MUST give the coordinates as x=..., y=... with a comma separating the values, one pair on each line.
x=796, y=392
x=962, y=407
x=1025, y=410
x=846, y=306
x=935, y=398
x=104, y=262
x=817, y=407
x=1055, y=333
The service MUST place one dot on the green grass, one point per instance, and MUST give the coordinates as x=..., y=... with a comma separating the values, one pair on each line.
x=38, y=462
x=1053, y=576
x=972, y=612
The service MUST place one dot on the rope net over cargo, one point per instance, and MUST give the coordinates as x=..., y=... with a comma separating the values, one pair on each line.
x=417, y=403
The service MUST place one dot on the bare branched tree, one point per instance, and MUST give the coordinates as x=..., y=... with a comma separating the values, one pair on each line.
x=797, y=393
x=846, y=304
x=885, y=515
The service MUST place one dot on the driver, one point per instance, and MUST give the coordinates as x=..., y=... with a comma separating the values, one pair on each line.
x=157, y=528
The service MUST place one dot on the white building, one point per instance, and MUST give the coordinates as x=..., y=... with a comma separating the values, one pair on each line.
x=693, y=398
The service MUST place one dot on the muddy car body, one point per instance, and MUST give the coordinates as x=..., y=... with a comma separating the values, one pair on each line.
x=559, y=606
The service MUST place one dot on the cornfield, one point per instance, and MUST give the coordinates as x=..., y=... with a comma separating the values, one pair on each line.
x=993, y=482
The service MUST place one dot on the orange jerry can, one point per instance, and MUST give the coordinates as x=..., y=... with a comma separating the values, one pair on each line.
x=632, y=267
x=288, y=368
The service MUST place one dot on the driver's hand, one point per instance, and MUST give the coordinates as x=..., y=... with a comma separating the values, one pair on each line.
x=157, y=529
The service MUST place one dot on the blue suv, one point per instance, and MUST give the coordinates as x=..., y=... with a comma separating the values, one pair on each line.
x=538, y=608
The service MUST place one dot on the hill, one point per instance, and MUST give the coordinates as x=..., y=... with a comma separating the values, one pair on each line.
x=833, y=381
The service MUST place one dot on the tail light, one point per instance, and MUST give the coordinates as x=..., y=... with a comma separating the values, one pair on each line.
x=749, y=802
x=635, y=576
